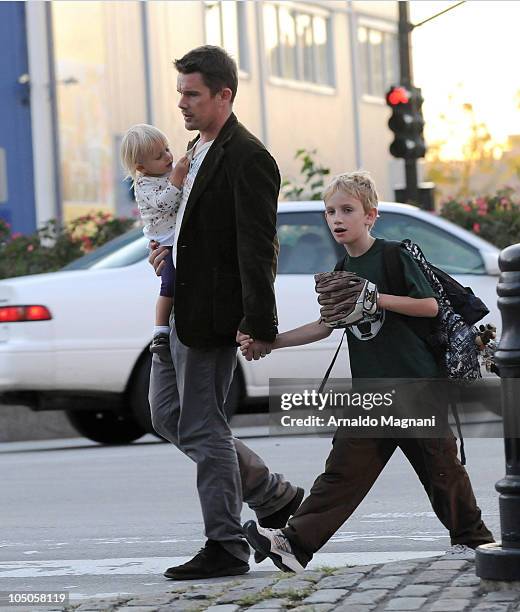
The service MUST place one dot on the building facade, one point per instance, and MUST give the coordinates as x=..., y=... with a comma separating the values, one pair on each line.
x=76, y=75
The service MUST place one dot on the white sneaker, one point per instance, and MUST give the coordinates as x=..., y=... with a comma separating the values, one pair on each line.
x=459, y=551
x=273, y=544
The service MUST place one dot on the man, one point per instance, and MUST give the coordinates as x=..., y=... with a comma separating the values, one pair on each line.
x=225, y=253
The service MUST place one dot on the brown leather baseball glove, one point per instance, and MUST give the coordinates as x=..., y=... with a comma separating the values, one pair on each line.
x=345, y=298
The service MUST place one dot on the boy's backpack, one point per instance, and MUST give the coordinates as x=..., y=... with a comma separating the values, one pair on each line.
x=452, y=333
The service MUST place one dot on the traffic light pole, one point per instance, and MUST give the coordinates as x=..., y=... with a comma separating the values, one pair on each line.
x=405, y=60
x=412, y=190
x=407, y=121
x=405, y=66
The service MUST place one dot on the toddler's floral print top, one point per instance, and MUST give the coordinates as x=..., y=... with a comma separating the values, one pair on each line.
x=158, y=202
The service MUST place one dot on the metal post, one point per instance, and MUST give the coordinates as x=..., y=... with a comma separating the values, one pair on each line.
x=147, y=64
x=405, y=62
x=501, y=561
x=262, y=73
x=412, y=192
x=355, y=84
x=406, y=74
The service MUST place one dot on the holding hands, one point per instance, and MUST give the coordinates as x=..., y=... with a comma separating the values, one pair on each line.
x=252, y=349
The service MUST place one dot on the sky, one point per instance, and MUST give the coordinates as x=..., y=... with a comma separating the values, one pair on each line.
x=472, y=54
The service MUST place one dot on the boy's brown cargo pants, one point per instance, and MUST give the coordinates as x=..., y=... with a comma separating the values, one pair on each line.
x=353, y=466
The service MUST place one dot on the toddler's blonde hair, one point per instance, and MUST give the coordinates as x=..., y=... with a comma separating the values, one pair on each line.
x=137, y=143
x=359, y=185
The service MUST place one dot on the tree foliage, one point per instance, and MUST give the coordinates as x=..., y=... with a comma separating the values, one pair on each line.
x=311, y=183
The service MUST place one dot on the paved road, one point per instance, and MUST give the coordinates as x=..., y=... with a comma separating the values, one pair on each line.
x=102, y=520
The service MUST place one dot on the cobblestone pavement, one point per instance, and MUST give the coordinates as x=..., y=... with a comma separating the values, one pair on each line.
x=429, y=585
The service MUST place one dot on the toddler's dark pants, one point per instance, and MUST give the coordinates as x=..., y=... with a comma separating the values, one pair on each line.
x=168, y=276
x=353, y=466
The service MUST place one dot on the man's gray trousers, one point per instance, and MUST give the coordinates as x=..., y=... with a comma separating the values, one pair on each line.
x=186, y=401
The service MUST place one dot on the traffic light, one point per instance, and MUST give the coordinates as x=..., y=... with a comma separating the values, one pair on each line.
x=406, y=122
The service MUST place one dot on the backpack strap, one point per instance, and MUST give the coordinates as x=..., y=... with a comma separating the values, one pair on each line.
x=394, y=270
x=329, y=369
x=455, y=412
x=394, y=273
x=340, y=264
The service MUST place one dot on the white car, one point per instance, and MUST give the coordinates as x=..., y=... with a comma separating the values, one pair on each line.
x=84, y=347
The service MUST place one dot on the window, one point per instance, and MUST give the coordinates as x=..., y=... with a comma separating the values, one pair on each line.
x=306, y=245
x=100, y=93
x=378, y=59
x=298, y=44
x=440, y=248
x=226, y=28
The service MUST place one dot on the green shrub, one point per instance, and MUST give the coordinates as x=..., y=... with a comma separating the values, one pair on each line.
x=495, y=218
x=55, y=245
x=312, y=174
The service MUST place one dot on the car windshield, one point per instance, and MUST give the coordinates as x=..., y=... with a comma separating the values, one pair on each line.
x=125, y=250
x=442, y=249
x=306, y=245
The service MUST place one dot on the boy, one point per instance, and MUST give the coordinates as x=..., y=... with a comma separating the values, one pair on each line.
x=391, y=350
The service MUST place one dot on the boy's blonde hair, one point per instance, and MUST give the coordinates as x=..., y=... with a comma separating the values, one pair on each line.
x=137, y=143
x=359, y=185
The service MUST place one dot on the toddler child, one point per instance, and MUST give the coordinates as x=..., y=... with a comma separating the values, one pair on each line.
x=147, y=159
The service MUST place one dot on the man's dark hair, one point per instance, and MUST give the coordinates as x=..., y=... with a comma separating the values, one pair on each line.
x=217, y=68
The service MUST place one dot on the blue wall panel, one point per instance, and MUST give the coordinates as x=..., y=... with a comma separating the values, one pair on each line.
x=15, y=121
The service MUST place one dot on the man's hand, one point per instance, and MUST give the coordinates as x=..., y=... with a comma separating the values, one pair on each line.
x=179, y=171
x=252, y=349
x=256, y=350
x=241, y=337
x=157, y=255
x=245, y=342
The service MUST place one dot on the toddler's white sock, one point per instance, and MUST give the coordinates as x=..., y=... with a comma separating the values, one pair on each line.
x=161, y=329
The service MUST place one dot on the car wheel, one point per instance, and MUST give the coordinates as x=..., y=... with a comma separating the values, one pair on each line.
x=138, y=394
x=105, y=426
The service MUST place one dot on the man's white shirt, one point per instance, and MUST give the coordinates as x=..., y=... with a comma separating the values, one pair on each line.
x=196, y=162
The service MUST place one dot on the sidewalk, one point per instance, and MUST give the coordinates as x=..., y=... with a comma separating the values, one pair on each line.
x=429, y=585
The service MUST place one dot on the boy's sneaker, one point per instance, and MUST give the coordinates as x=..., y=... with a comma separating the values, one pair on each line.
x=274, y=544
x=279, y=519
x=459, y=551
x=160, y=344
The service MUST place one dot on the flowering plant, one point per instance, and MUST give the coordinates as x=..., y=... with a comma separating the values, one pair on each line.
x=5, y=230
x=55, y=245
x=495, y=218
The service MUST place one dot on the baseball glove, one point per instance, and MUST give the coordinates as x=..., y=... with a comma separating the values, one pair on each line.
x=345, y=298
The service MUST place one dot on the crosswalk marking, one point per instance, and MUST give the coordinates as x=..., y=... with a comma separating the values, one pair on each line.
x=156, y=565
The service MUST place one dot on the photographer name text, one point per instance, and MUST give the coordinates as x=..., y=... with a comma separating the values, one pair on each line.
x=363, y=421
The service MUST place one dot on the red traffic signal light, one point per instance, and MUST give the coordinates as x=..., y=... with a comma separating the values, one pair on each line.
x=397, y=95
x=406, y=122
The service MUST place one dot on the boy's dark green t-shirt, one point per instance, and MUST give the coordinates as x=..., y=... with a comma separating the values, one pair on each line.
x=389, y=348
